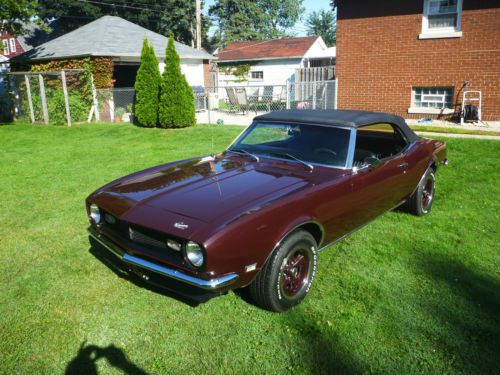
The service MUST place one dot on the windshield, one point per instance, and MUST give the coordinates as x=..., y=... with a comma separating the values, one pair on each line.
x=309, y=144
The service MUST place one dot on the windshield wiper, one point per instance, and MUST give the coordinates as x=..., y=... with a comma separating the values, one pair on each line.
x=290, y=156
x=241, y=151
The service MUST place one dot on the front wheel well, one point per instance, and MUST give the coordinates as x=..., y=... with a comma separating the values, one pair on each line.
x=315, y=230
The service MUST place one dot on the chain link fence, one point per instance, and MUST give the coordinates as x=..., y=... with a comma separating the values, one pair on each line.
x=58, y=98
x=66, y=97
x=239, y=104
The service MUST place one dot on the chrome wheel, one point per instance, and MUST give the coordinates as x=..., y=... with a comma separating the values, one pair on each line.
x=427, y=193
x=294, y=275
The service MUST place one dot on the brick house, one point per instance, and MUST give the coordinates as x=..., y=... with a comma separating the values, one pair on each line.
x=11, y=45
x=415, y=58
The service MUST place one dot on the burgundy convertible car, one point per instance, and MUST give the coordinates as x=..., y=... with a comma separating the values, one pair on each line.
x=292, y=184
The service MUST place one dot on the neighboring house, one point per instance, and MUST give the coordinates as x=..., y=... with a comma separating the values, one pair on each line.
x=121, y=40
x=275, y=61
x=416, y=58
x=11, y=45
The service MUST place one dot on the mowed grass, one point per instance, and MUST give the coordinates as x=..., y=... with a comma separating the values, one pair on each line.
x=403, y=295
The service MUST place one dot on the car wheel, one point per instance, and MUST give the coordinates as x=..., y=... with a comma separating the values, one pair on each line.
x=420, y=202
x=287, y=276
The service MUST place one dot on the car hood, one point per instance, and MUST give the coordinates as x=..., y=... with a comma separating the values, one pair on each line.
x=199, y=190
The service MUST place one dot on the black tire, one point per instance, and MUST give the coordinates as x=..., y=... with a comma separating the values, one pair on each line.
x=420, y=202
x=288, y=274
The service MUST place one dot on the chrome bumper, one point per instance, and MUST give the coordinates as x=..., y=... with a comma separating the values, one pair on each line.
x=212, y=284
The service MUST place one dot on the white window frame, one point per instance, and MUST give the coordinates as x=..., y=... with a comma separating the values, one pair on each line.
x=431, y=110
x=6, y=50
x=441, y=32
x=12, y=45
x=257, y=79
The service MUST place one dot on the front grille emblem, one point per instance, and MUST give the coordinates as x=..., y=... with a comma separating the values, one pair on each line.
x=181, y=225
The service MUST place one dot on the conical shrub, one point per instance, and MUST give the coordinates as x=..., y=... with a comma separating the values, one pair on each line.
x=176, y=109
x=147, y=86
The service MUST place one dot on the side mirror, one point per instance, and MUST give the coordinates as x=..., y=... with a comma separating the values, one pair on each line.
x=372, y=162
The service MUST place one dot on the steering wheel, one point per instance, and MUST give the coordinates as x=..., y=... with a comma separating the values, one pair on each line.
x=325, y=150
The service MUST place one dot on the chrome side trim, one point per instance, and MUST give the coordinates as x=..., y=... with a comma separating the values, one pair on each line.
x=358, y=228
x=212, y=284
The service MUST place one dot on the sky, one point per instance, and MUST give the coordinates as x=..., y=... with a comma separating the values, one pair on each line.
x=310, y=5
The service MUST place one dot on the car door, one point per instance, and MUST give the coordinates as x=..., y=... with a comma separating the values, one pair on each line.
x=382, y=184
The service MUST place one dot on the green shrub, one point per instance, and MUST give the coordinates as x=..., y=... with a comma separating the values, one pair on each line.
x=147, y=86
x=57, y=108
x=176, y=108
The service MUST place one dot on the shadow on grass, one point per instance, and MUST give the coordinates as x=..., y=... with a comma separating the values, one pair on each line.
x=324, y=353
x=468, y=316
x=319, y=352
x=88, y=355
x=155, y=283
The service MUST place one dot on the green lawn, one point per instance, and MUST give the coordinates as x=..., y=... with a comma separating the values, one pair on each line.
x=403, y=295
x=443, y=129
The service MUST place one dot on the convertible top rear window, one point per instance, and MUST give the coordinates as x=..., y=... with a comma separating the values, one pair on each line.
x=314, y=144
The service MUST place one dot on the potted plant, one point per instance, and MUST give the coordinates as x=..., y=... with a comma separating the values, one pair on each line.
x=119, y=112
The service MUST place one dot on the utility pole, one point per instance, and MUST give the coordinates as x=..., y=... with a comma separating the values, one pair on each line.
x=198, y=24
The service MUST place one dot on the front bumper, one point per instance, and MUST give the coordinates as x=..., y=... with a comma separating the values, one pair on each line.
x=211, y=285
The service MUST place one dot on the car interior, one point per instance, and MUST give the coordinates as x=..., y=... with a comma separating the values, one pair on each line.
x=378, y=141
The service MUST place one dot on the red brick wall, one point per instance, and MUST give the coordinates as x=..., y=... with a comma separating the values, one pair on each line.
x=19, y=48
x=380, y=58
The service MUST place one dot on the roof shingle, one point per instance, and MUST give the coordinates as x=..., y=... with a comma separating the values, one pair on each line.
x=108, y=36
x=267, y=49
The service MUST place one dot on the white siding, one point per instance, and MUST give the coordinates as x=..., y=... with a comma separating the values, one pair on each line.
x=316, y=49
x=192, y=70
x=276, y=72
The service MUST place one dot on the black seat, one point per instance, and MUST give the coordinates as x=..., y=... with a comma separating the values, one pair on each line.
x=360, y=156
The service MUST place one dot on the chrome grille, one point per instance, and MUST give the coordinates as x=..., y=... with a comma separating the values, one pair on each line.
x=144, y=239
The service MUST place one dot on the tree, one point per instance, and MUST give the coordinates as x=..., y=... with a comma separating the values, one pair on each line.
x=15, y=14
x=323, y=23
x=237, y=20
x=281, y=16
x=161, y=16
x=176, y=108
x=147, y=86
x=254, y=20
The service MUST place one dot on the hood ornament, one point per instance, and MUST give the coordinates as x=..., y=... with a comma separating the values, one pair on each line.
x=181, y=225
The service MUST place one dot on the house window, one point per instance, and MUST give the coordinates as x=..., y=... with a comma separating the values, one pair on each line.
x=12, y=45
x=432, y=100
x=442, y=19
x=5, y=47
x=259, y=75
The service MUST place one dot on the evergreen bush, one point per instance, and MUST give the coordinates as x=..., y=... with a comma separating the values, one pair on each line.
x=147, y=86
x=176, y=109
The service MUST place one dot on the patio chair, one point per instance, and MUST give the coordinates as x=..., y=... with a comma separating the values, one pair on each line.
x=242, y=99
x=233, y=100
x=267, y=96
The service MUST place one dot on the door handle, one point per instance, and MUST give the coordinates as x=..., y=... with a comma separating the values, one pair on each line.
x=403, y=165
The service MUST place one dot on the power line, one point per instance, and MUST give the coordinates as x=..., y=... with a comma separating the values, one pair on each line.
x=120, y=5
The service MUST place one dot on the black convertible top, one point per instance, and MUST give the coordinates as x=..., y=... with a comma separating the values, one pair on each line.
x=344, y=118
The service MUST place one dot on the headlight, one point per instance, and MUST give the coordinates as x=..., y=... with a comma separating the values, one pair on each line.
x=95, y=214
x=174, y=245
x=194, y=254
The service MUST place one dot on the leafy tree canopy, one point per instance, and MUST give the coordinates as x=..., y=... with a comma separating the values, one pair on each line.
x=15, y=14
x=323, y=23
x=251, y=20
x=161, y=16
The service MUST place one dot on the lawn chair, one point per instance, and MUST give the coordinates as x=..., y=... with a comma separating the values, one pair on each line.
x=242, y=99
x=267, y=96
x=233, y=100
